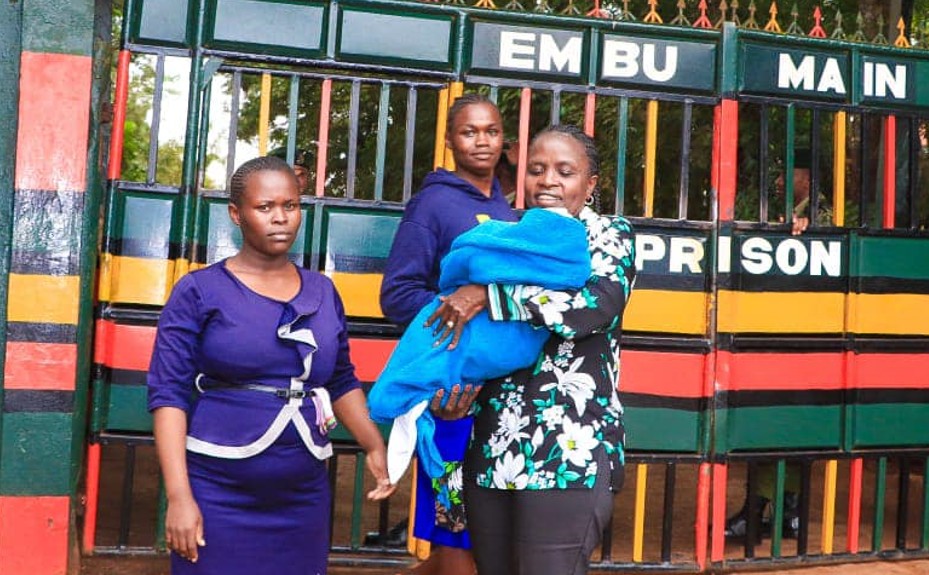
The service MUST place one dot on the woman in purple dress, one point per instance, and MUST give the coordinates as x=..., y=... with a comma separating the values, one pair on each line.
x=250, y=371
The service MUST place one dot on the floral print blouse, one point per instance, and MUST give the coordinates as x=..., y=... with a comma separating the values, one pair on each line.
x=548, y=426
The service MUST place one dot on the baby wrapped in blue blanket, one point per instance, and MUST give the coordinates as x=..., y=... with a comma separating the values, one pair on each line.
x=546, y=248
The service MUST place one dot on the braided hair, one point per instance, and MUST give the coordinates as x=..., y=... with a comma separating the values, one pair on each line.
x=260, y=164
x=462, y=102
x=590, y=150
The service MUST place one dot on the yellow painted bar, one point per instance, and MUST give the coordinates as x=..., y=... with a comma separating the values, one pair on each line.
x=264, y=114
x=43, y=298
x=359, y=293
x=455, y=89
x=419, y=548
x=829, y=506
x=438, y=157
x=651, y=151
x=136, y=280
x=789, y=312
x=901, y=314
x=638, y=529
x=667, y=311
x=838, y=168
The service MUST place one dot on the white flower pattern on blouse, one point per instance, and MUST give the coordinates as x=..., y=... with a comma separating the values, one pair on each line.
x=547, y=426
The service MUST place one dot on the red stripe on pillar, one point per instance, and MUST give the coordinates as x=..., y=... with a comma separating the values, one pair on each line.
x=370, y=356
x=119, y=116
x=784, y=371
x=46, y=366
x=54, y=116
x=124, y=346
x=718, y=539
x=663, y=373
x=727, y=159
x=34, y=535
x=93, y=498
x=890, y=170
x=702, y=520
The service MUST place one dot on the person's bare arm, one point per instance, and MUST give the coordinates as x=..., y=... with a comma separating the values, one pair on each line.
x=183, y=522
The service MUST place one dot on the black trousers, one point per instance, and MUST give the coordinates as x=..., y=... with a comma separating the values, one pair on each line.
x=551, y=532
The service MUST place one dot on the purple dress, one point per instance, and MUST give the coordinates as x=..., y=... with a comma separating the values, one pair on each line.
x=255, y=458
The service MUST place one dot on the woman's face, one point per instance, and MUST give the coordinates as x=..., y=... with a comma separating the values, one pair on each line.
x=269, y=212
x=476, y=139
x=557, y=173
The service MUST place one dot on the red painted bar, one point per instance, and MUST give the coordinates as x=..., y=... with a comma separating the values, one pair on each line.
x=322, y=145
x=40, y=366
x=661, y=373
x=718, y=535
x=123, y=346
x=54, y=119
x=525, y=101
x=92, y=495
x=702, y=520
x=370, y=356
x=119, y=116
x=34, y=532
x=757, y=371
x=890, y=170
x=854, y=504
x=727, y=157
x=890, y=370
x=590, y=113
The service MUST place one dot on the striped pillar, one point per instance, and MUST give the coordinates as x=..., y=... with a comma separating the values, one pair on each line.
x=39, y=445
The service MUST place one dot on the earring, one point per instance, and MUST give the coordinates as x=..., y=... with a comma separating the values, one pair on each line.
x=590, y=200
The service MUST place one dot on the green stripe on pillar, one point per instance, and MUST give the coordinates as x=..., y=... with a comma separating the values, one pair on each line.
x=892, y=257
x=58, y=27
x=659, y=429
x=47, y=232
x=36, y=453
x=889, y=424
x=789, y=427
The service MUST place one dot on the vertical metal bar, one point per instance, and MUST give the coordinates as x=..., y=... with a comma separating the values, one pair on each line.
x=815, y=120
x=125, y=505
x=913, y=189
x=880, y=488
x=455, y=89
x=120, y=98
x=705, y=480
x=829, y=495
x=838, y=167
x=264, y=114
x=525, y=102
x=803, y=536
x=903, y=501
x=763, y=187
x=154, y=131
x=684, y=192
x=667, y=522
x=718, y=540
x=555, y=112
x=233, y=124
x=383, y=517
x=854, y=503
x=293, y=103
x=441, y=119
x=357, y=500
x=383, y=111
x=204, y=141
x=622, y=128
x=651, y=153
x=863, y=172
x=753, y=511
x=93, y=498
x=322, y=149
x=590, y=113
x=890, y=172
x=638, y=520
x=924, y=535
x=355, y=102
x=777, y=518
x=789, y=164
x=494, y=94
x=409, y=143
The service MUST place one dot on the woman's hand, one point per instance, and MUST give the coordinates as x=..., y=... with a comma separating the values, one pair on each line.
x=184, y=527
x=457, y=405
x=457, y=309
x=376, y=462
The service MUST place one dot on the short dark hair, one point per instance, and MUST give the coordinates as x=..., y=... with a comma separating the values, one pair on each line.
x=590, y=150
x=462, y=102
x=260, y=164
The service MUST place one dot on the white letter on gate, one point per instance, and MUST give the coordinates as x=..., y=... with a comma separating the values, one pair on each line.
x=756, y=256
x=790, y=76
x=822, y=258
x=514, y=46
x=685, y=252
x=648, y=247
x=831, y=78
x=648, y=63
x=791, y=256
x=550, y=56
x=619, y=59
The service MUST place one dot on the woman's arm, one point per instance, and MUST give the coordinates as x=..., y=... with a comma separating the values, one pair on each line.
x=576, y=313
x=352, y=411
x=183, y=522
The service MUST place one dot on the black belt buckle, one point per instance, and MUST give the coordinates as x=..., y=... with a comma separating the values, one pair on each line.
x=290, y=393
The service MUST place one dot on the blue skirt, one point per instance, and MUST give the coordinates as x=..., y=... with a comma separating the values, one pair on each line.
x=263, y=514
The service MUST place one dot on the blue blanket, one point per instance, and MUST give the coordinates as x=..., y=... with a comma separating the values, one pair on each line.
x=545, y=249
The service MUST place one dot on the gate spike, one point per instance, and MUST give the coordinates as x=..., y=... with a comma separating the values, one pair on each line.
x=859, y=33
x=652, y=17
x=902, y=41
x=680, y=19
x=772, y=25
x=514, y=5
x=839, y=32
x=626, y=15
x=751, y=23
x=485, y=4
x=794, y=27
x=543, y=6
x=734, y=18
x=817, y=31
x=598, y=12
x=703, y=21
x=723, y=9
x=570, y=9
x=880, y=38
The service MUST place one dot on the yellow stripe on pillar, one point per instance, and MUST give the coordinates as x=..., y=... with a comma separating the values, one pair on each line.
x=44, y=299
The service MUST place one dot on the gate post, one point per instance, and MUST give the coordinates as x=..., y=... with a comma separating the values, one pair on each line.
x=47, y=210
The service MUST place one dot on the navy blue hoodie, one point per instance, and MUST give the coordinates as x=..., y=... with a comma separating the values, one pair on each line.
x=446, y=207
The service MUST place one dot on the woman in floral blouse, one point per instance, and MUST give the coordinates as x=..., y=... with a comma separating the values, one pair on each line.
x=547, y=449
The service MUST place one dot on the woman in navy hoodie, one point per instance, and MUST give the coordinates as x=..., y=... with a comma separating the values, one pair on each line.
x=447, y=205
